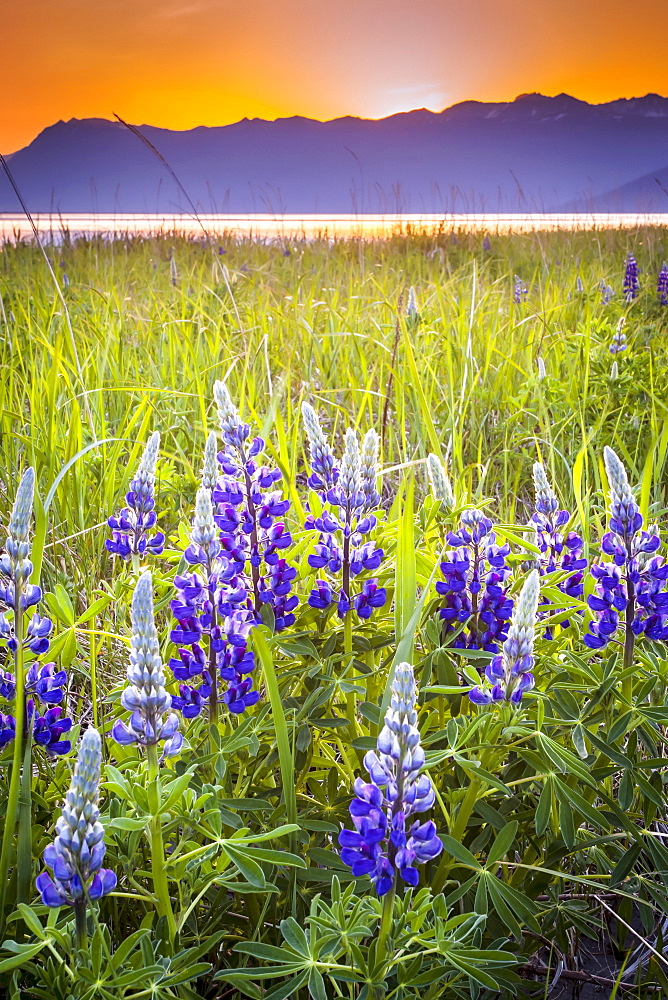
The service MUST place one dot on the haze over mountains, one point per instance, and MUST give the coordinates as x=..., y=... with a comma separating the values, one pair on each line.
x=536, y=153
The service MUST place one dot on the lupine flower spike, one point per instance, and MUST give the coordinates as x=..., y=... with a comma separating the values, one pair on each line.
x=606, y=290
x=248, y=512
x=476, y=605
x=412, y=311
x=132, y=529
x=145, y=697
x=214, y=620
x=520, y=290
x=236, y=568
x=210, y=468
x=509, y=673
x=541, y=368
x=41, y=682
x=558, y=552
x=631, y=284
x=350, y=497
x=439, y=481
x=76, y=855
x=634, y=579
x=618, y=343
x=387, y=839
x=662, y=285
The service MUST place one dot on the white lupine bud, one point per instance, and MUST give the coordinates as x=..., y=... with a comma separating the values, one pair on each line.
x=412, y=309
x=546, y=498
x=19, y=521
x=542, y=373
x=146, y=693
x=228, y=415
x=523, y=622
x=620, y=491
x=16, y=563
x=144, y=478
x=350, y=477
x=614, y=371
x=441, y=487
x=204, y=530
x=369, y=464
x=322, y=457
x=210, y=467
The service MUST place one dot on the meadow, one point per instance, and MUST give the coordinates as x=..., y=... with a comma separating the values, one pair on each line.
x=229, y=879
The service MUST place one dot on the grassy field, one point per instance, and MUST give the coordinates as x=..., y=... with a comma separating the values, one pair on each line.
x=149, y=326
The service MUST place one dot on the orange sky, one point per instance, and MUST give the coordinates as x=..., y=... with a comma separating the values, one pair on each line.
x=181, y=63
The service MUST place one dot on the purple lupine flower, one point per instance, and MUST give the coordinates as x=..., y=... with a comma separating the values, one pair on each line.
x=509, y=673
x=662, y=285
x=606, y=290
x=249, y=512
x=36, y=637
x=559, y=552
x=384, y=841
x=618, y=342
x=132, y=528
x=631, y=284
x=43, y=684
x=213, y=610
x=76, y=855
x=487, y=243
x=7, y=729
x=47, y=682
x=145, y=696
x=475, y=596
x=520, y=289
x=47, y=729
x=633, y=581
x=350, y=499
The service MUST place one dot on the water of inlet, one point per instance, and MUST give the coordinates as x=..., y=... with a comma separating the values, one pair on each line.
x=55, y=228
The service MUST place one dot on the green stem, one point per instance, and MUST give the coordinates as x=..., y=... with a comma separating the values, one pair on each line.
x=24, y=840
x=11, y=812
x=80, y=924
x=378, y=991
x=351, y=702
x=629, y=642
x=160, y=883
x=136, y=563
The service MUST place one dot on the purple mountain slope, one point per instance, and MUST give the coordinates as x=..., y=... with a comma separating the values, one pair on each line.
x=533, y=154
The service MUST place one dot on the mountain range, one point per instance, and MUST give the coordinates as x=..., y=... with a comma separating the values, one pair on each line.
x=533, y=154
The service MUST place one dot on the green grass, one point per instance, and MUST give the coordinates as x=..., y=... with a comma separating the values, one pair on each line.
x=320, y=324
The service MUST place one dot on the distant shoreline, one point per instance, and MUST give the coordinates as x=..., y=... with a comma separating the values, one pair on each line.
x=14, y=226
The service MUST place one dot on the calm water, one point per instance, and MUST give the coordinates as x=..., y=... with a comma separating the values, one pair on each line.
x=13, y=227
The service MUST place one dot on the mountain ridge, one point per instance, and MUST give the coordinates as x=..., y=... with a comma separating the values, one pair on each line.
x=535, y=153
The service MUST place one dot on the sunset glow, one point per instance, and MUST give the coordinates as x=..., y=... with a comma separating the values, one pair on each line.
x=179, y=64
